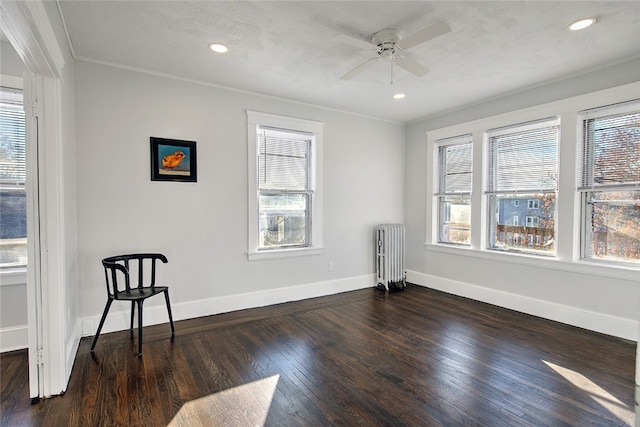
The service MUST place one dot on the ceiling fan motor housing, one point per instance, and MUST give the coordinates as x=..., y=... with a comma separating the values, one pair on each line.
x=386, y=40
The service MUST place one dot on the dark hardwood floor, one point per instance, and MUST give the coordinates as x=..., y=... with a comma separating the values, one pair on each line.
x=363, y=358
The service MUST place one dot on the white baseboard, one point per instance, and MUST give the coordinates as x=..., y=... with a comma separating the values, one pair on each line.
x=14, y=338
x=594, y=321
x=118, y=318
x=72, y=351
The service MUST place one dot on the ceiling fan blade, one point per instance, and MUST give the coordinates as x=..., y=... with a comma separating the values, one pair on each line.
x=412, y=66
x=426, y=34
x=360, y=68
x=343, y=38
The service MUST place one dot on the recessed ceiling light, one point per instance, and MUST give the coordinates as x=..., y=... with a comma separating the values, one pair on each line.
x=218, y=48
x=582, y=24
x=399, y=96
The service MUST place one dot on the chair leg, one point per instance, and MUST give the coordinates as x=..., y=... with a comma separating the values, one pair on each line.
x=140, y=327
x=166, y=298
x=133, y=306
x=104, y=316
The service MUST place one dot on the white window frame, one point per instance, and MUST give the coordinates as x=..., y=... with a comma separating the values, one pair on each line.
x=568, y=227
x=255, y=119
x=14, y=274
x=533, y=204
x=490, y=193
x=441, y=192
x=587, y=188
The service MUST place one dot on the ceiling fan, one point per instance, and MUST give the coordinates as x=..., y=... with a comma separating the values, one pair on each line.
x=389, y=46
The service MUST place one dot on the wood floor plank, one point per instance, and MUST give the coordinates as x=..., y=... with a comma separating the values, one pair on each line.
x=362, y=358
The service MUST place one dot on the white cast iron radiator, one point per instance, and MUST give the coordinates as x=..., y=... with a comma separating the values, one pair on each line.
x=390, y=273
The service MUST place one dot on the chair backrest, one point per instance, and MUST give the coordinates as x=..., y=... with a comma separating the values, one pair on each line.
x=145, y=264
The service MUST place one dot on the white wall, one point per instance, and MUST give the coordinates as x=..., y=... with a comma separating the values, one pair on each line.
x=202, y=227
x=598, y=298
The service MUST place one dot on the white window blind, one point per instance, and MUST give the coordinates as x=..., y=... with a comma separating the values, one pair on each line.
x=13, y=170
x=283, y=159
x=455, y=157
x=611, y=150
x=523, y=159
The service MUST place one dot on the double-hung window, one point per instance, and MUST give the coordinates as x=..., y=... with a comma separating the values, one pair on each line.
x=454, y=190
x=522, y=164
x=13, y=172
x=610, y=183
x=284, y=198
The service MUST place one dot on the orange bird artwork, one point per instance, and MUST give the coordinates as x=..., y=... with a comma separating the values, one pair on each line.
x=172, y=160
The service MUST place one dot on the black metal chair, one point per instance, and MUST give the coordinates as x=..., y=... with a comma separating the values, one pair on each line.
x=119, y=266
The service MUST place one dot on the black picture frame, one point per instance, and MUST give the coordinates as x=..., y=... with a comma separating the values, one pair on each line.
x=173, y=160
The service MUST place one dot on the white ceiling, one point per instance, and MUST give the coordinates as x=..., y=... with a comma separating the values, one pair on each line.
x=285, y=48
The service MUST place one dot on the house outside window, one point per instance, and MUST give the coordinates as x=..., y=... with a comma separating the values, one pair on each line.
x=522, y=165
x=610, y=183
x=454, y=190
x=13, y=171
x=284, y=198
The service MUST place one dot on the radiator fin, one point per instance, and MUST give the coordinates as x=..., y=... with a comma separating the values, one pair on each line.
x=390, y=273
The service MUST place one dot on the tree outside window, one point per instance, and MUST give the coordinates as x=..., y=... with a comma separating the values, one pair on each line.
x=611, y=183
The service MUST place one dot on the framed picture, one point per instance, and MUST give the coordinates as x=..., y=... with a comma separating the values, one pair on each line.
x=173, y=160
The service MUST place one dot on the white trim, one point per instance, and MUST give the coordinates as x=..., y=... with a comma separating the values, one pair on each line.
x=34, y=284
x=72, y=347
x=13, y=82
x=26, y=25
x=14, y=338
x=591, y=320
x=284, y=253
x=229, y=88
x=52, y=238
x=157, y=314
x=13, y=276
x=592, y=268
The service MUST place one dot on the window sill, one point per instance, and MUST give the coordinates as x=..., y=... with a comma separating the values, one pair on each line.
x=13, y=276
x=581, y=266
x=284, y=253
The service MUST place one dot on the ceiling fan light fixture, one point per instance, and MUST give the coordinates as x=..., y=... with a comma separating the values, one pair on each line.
x=218, y=47
x=581, y=24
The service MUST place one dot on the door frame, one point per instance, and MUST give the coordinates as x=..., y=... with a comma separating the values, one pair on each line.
x=27, y=27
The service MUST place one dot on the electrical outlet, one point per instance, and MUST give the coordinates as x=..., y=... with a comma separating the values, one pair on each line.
x=330, y=266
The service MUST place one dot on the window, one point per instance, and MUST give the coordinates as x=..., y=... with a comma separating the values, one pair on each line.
x=454, y=190
x=515, y=219
x=522, y=163
x=516, y=203
x=284, y=196
x=533, y=221
x=610, y=183
x=13, y=172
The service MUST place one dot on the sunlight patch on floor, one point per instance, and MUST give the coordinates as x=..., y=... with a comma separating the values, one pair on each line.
x=597, y=393
x=245, y=405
